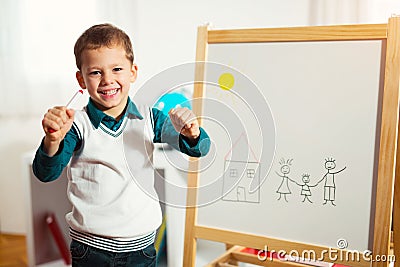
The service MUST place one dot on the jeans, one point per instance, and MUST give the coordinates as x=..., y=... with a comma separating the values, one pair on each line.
x=88, y=256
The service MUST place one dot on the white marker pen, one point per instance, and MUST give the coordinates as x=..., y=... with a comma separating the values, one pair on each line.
x=74, y=98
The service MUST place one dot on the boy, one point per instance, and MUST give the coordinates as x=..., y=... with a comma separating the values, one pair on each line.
x=113, y=221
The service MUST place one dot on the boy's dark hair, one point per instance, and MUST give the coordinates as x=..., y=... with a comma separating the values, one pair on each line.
x=102, y=35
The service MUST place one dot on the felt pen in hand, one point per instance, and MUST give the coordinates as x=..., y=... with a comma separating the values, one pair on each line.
x=70, y=102
x=74, y=98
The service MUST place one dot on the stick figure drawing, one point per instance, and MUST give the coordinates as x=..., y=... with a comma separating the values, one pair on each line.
x=283, y=188
x=329, y=177
x=305, y=187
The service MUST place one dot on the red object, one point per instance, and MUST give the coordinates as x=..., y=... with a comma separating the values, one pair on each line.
x=58, y=237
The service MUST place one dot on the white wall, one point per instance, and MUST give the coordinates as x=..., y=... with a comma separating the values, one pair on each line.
x=38, y=75
x=167, y=30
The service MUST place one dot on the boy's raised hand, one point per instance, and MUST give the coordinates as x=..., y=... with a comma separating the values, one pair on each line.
x=56, y=123
x=185, y=122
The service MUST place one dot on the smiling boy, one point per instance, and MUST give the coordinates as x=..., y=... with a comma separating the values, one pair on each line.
x=113, y=221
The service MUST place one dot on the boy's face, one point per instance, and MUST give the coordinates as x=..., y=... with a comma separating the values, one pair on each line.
x=107, y=74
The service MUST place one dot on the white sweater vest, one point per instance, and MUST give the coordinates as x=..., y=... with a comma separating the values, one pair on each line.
x=111, y=179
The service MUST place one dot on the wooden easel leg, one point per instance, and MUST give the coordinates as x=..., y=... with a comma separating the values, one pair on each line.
x=189, y=256
x=190, y=242
x=396, y=212
x=396, y=203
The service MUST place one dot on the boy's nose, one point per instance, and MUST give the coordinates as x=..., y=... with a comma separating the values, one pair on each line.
x=106, y=79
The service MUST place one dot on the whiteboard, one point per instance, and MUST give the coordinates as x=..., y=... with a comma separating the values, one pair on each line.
x=299, y=119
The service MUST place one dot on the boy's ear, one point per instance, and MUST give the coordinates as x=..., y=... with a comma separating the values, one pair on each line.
x=80, y=79
x=134, y=70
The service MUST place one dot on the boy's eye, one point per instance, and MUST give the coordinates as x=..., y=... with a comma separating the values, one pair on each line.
x=117, y=69
x=96, y=72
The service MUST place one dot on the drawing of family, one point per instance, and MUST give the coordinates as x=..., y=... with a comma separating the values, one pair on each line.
x=329, y=185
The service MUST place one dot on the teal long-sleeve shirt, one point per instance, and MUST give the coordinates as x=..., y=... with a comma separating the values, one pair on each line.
x=47, y=168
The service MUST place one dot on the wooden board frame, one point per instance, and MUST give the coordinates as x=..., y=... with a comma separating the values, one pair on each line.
x=390, y=33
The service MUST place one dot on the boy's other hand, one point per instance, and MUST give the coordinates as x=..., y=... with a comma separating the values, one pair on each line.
x=185, y=122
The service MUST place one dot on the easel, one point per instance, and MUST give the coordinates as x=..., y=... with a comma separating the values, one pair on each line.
x=385, y=191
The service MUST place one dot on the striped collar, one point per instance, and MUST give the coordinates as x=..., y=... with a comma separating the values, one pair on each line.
x=96, y=116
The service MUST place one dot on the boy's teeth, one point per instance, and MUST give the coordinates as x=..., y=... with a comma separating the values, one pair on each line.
x=109, y=92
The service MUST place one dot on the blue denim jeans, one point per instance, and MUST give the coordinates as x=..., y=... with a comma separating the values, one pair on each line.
x=87, y=256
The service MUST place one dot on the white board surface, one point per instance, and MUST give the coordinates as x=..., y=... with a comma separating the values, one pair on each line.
x=323, y=99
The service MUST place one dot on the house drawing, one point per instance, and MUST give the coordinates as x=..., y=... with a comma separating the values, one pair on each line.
x=241, y=169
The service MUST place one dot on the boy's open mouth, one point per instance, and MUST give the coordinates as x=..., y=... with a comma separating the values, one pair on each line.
x=109, y=92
